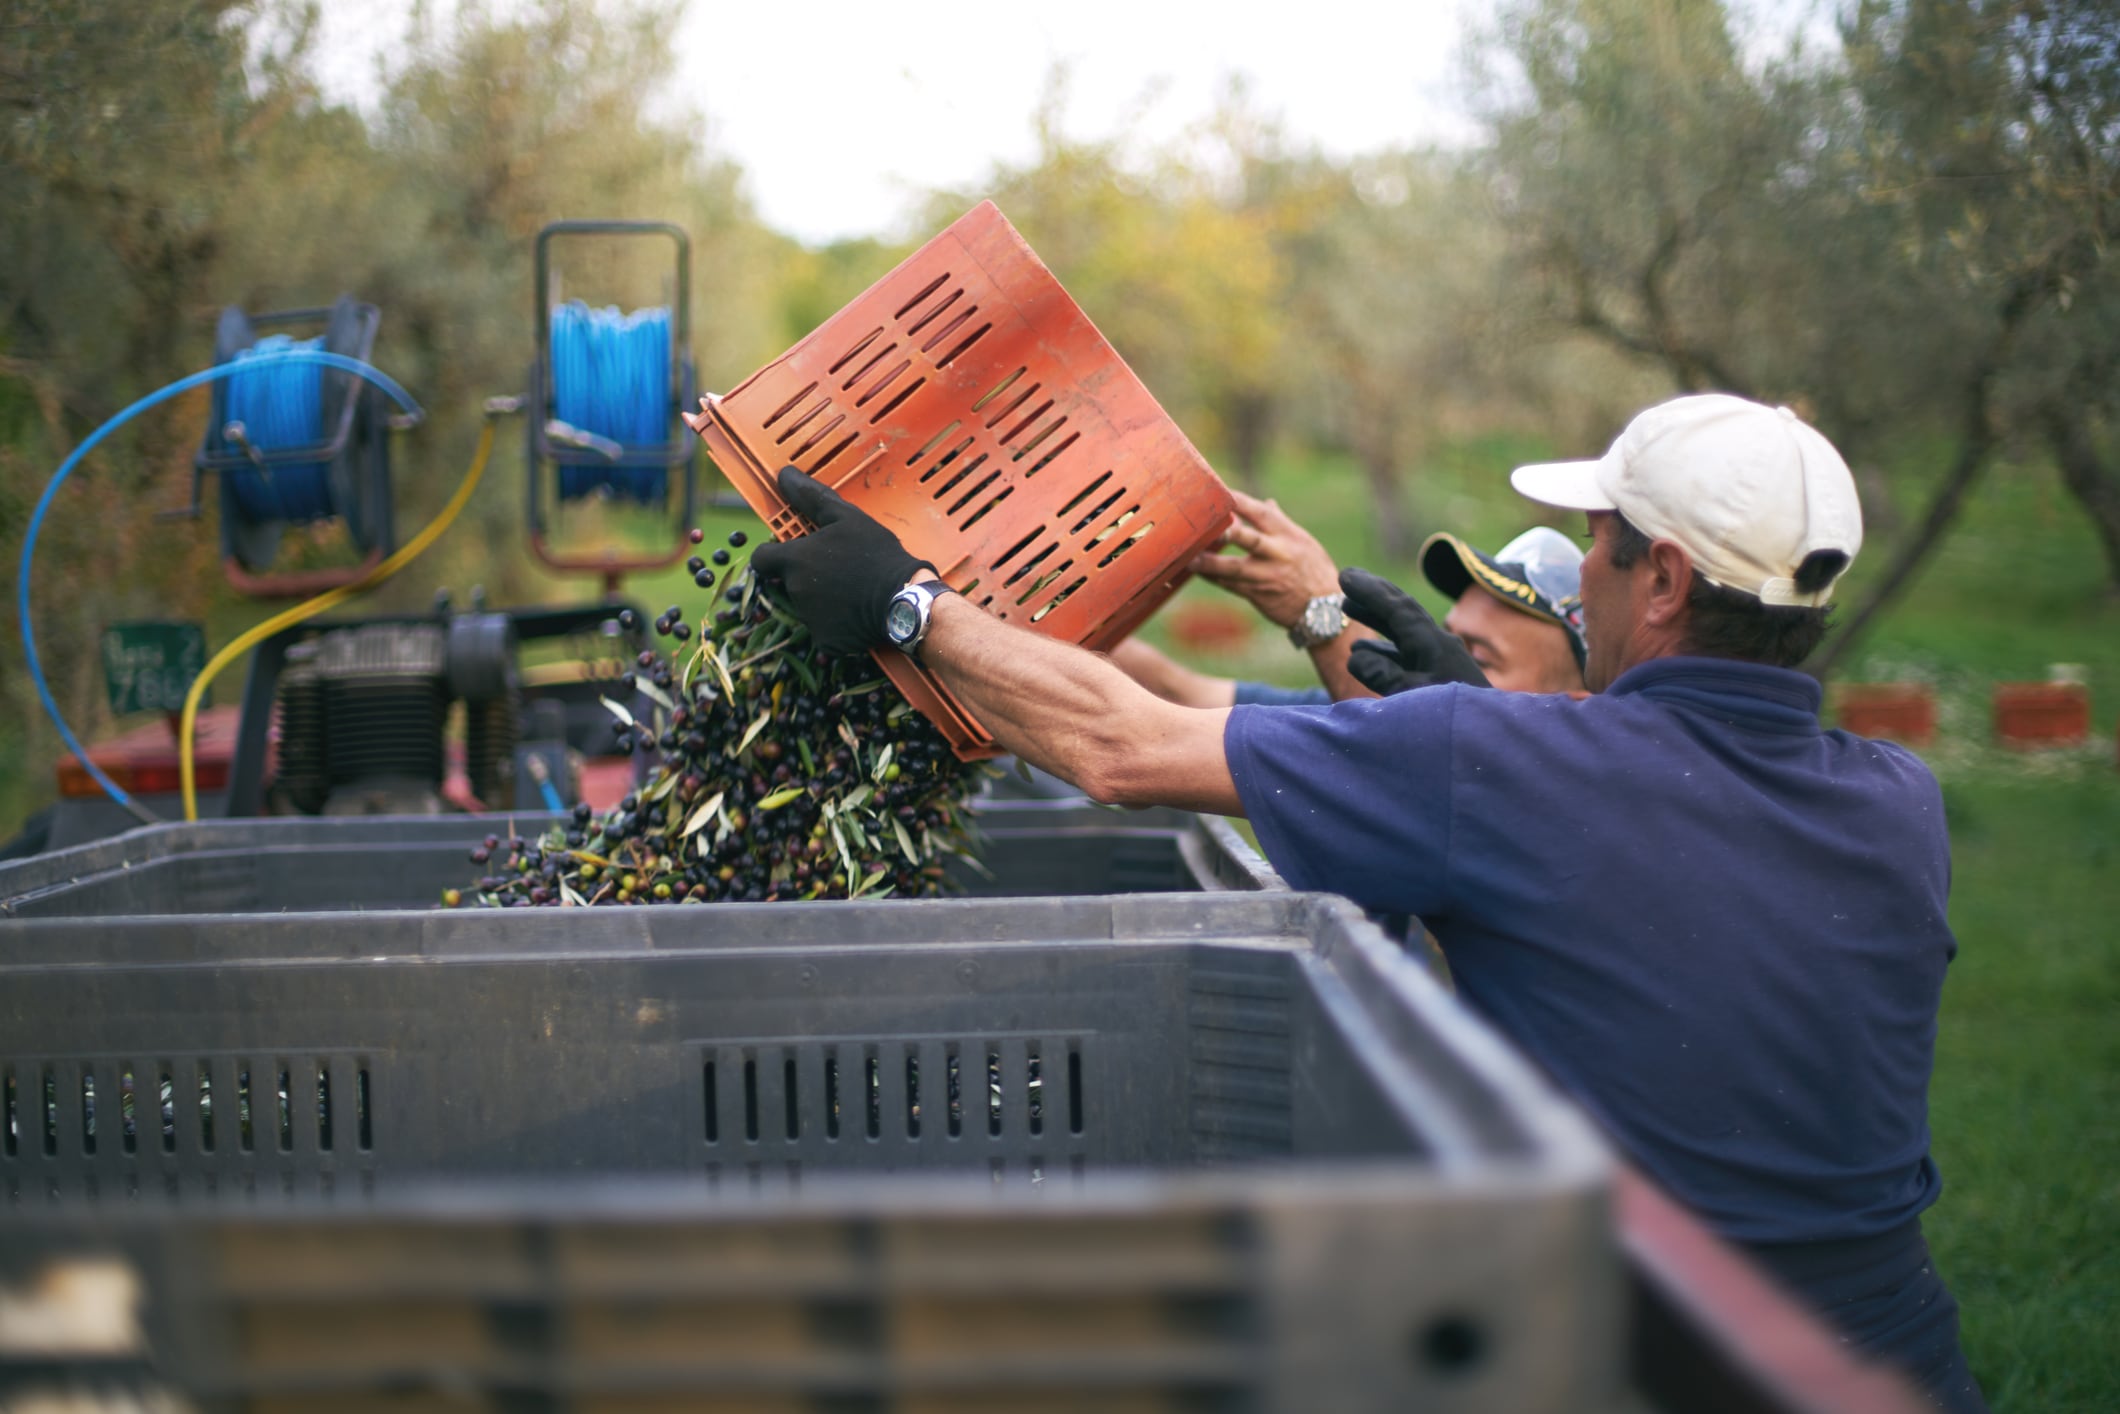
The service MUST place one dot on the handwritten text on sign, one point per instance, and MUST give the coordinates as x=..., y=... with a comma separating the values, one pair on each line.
x=148, y=667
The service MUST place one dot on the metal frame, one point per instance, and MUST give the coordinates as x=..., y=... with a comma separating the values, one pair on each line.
x=215, y=456
x=681, y=452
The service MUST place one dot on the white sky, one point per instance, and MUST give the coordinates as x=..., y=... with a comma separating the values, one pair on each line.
x=839, y=111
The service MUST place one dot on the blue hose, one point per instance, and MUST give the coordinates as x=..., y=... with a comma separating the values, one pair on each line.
x=611, y=377
x=280, y=404
x=66, y=468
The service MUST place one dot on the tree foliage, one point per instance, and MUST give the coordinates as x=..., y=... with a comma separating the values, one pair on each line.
x=1907, y=237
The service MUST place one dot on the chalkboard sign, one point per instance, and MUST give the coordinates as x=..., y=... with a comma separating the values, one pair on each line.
x=148, y=667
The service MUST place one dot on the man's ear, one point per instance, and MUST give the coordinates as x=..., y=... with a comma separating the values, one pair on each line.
x=1670, y=578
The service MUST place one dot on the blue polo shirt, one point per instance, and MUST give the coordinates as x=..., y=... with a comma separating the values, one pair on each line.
x=1717, y=925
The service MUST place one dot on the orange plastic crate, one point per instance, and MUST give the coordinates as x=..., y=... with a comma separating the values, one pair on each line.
x=965, y=401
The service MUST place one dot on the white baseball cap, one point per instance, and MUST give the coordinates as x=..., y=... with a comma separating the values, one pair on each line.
x=1748, y=491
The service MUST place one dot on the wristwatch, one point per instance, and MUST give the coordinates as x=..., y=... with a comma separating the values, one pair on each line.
x=1323, y=618
x=912, y=609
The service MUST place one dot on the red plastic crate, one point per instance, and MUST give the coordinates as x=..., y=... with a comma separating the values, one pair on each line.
x=1903, y=711
x=965, y=401
x=2042, y=713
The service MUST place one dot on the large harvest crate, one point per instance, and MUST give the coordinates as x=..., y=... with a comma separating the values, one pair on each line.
x=299, y=865
x=1194, y=1151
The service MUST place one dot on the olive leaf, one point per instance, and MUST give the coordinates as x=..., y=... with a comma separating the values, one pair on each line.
x=721, y=670
x=751, y=732
x=618, y=710
x=703, y=814
x=782, y=797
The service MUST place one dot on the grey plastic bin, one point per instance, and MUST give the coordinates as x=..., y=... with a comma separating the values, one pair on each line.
x=1034, y=847
x=1208, y=1151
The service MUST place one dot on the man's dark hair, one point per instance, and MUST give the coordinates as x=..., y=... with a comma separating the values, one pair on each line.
x=1728, y=623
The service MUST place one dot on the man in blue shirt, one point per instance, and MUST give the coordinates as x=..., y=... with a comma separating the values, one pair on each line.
x=1720, y=927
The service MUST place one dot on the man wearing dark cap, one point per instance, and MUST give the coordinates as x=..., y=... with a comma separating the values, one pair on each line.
x=1519, y=631
x=1716, y=924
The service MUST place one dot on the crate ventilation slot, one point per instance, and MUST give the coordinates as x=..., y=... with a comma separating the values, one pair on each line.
x=127, y=1107
x=892, y=1091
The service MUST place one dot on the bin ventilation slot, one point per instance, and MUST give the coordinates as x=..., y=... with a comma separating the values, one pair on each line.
x=852, y=1086
x=13, y=1115
x=51, y=1113
x=831, y=1097
x=324, y=1134
x=873, y=1090
x=912, y=1096
x=750, y=1100
x=137, y=1104
x=713, y=1120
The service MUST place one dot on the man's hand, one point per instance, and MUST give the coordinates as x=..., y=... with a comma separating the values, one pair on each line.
x=1421, y=652
x=1283, y=567
x=838, y=579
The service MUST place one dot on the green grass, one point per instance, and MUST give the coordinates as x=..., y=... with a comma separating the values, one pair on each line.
x=2025, y=1106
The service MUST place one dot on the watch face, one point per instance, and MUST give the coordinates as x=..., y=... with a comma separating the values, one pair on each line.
x=902, y=622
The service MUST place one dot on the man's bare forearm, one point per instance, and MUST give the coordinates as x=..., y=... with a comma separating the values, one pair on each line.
x=1169, y=679
x=1072, y=713
x=1330, y=659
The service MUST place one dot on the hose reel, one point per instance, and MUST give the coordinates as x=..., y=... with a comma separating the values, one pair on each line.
x=605, y=394
x=295, y=443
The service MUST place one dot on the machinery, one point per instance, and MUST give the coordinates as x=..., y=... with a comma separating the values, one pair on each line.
x=464, y=708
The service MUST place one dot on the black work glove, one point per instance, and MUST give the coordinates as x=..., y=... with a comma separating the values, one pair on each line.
x=840, y=578
x=1421, y=652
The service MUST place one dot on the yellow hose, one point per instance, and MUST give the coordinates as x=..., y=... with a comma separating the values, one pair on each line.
x=330, y=598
